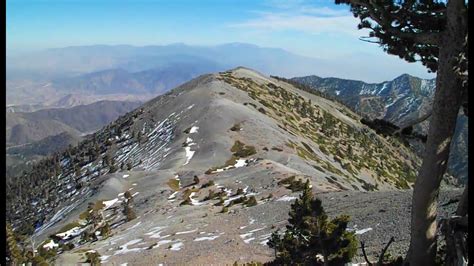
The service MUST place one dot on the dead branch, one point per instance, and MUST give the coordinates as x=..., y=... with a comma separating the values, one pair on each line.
x=385, y=250
x=362, y=245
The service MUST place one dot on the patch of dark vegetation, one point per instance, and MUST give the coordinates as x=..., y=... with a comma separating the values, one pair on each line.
x=215, y=195
x=93, y=258
x=209, y=183
x=307, y=215
x=276, y=149
x=252, y=201
x=229, y=163
x=381, y=127
x=236, y=127
x=251, y=104
x=319, y=168
x=307, y=147
x=244, y=200
x=292, y=183
x=241, y=150
x=262, y=110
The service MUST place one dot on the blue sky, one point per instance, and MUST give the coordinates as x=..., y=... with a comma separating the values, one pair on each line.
x=316, y=28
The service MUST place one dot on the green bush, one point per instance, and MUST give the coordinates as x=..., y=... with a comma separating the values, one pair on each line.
x=241, y=150
x=311, y=233
x=292, y=183
x=236, y=127
x=93, y=258
x=225, y=209
x=252, y=201
x=210, y=183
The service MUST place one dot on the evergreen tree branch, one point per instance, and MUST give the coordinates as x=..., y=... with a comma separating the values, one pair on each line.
x=384, y=19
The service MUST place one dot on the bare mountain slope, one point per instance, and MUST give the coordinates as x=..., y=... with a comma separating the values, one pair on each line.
x=212, y=166
x=399, y=101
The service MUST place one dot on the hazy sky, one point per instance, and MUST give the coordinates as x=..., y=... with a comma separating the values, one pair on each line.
x=317, y=28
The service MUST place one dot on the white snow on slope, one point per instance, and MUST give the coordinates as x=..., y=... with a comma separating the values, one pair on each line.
x=286, y=198
x=208, y=237
x=186, y=232
x=195, y=202
x=70, y=233
x=109, y=203
x=248, y=240
x=360, y=232
x=50, y=245
x=189, y=154
x=177, y=246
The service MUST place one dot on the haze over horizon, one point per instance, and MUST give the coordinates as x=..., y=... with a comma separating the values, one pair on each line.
x=315, y=29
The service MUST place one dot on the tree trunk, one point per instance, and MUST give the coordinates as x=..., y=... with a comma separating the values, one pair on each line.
x=446, y=104
x=463, y=203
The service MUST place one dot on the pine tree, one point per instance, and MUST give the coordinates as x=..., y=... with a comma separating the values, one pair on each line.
x=13, y=250
x=127, y=207
x=311, y=234
x=434, y=33
x=129, y=166
x=196, y=180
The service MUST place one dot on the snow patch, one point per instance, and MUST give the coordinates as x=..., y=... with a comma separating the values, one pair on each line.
x=193, y=129
x=362, y=231
x=173, y=196
x=208, y=237
x=240, y=163
x=50, y=245
x=177, y=246
x=258, y=229
x=248, y=240
x=245, y=235
x=186, y=232
x=109, y=203
x=286, y=198
x=70, y=233
x=195, y=202
x=189, y=154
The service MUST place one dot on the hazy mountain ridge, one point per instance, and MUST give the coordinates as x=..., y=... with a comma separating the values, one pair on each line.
x=398, y=101
x=116, y=81
x=32, y=136
x=23, y=128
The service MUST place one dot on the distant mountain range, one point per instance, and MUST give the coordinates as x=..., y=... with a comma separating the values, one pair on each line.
x=23, y=128
x=399, y=101
x=148, y=71
x=85, y=59
x=120, y=81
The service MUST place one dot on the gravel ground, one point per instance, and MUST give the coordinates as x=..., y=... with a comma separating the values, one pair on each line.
x=387, y=213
